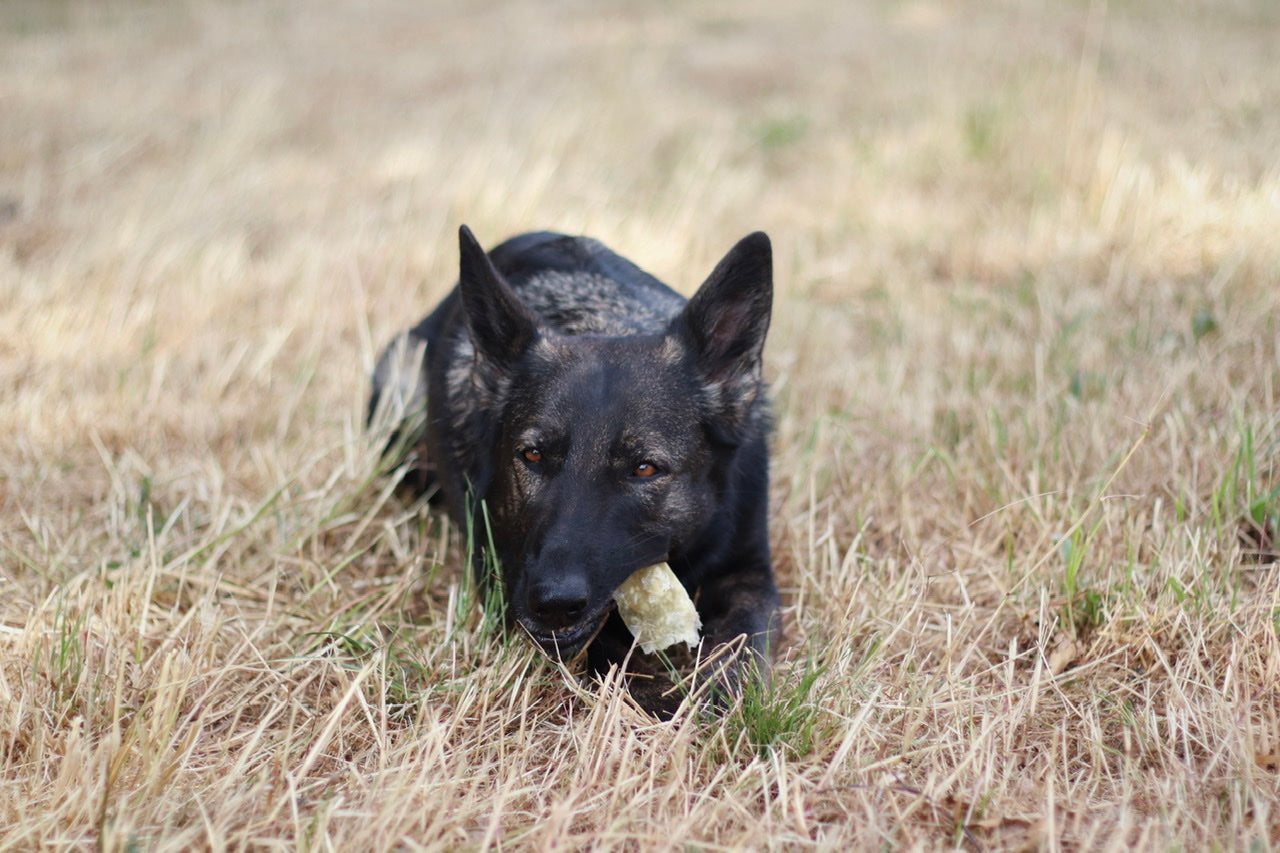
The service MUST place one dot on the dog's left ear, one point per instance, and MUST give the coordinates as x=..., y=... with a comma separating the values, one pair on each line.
x=725, y=324
x=501, y=327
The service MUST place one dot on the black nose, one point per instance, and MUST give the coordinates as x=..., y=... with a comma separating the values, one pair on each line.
x=559, y=602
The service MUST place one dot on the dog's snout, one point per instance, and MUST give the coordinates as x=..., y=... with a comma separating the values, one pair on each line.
x=559, y=602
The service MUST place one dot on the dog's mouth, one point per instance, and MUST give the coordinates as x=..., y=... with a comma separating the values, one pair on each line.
x=566, y=643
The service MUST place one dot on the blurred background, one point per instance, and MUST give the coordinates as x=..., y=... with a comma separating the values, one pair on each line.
x=238, y=192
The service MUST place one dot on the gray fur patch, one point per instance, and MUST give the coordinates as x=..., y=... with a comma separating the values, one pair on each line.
x=469, y=386
x=672, y=351
x=585, y=303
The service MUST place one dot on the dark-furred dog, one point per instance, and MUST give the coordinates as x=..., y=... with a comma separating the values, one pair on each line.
x=604, y=424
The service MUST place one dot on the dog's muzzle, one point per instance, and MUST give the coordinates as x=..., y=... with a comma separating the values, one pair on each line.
x=566, y=643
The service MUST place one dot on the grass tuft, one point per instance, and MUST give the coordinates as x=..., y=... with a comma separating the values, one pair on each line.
x=773, y=715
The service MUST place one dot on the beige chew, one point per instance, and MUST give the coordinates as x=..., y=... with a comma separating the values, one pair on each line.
x=656, y=609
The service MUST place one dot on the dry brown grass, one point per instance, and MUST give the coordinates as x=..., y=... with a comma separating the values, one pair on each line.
x=1025, y=361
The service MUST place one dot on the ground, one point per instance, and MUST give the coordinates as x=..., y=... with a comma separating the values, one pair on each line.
x=1024, y=362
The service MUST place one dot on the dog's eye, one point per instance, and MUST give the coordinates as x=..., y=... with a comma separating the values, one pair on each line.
x=644, y=469
x=531, y=454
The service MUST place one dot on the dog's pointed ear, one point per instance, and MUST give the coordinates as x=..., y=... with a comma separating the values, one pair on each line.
x=725, y=324
x=501, y=327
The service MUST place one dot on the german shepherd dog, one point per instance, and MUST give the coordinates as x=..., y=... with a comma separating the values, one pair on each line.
x=585, y=421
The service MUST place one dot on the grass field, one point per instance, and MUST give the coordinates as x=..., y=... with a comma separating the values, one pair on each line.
x=1025, y=362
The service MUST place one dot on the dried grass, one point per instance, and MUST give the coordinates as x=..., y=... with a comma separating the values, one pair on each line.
x=1025, y=361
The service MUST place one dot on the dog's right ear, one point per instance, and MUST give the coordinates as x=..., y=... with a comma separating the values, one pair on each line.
x=725, y=324
x=501, y=327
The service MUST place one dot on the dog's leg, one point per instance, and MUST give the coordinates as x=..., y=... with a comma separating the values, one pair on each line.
x=398, y=402
x=648, y=681
x=740, y=612
x=741, y=627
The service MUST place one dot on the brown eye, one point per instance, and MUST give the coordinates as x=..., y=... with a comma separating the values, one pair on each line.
x=532, y=454
x=644, y=469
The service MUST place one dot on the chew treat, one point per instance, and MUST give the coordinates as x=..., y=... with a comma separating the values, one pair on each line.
x=656, y=609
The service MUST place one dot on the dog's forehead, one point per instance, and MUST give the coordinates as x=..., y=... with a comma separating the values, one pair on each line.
x=635, y=379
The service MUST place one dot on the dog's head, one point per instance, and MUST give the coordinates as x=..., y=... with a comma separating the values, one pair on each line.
x=611, y=452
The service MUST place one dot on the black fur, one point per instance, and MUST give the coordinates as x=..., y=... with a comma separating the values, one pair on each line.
x=554, y=374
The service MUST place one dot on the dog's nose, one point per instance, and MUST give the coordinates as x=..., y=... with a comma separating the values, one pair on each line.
x=559, y=602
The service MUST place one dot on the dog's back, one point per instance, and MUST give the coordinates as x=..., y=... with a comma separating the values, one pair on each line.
x=578, y=286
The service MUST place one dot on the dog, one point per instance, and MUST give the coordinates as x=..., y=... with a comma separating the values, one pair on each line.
x=584, y=421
